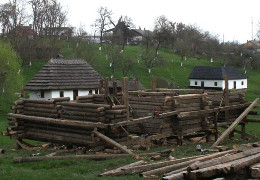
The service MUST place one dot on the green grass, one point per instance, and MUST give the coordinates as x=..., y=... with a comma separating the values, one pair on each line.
x=87, y=169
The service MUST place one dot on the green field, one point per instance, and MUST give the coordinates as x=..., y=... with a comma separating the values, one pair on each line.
x=170, y=71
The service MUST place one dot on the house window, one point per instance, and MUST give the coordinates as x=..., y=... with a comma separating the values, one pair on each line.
x=242, y=83
x=90, y=91
x=216, y=83
x=42, y=94
x=61, y=93
x=96, y=91
x=196, y=83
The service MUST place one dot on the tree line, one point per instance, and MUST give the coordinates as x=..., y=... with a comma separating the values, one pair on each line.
x=48, y=19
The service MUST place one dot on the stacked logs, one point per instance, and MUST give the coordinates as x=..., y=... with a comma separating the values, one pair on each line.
x=116, y=114
x=192, y=123
x=149, y=103
x=64, y=122
x=53, y=130
x=226, y=164
x=92, y=98
x=83, y=111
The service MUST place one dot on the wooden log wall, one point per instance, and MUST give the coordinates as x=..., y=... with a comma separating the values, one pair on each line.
x=146, y=104
x=184, y=125
x=64, y=122
x=95, y=110
x=234, y=98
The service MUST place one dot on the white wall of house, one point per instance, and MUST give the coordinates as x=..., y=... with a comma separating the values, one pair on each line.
x=207, y=83
x=56, y=94
x=37, y=95
x=137, y=38
x=240, y=83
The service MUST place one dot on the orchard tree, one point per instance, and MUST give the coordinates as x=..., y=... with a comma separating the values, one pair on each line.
x=10, y=72
x=103, y=22
x=121, y=31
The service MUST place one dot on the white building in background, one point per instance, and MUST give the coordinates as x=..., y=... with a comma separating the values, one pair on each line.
x=64, y=78
x=208, y=77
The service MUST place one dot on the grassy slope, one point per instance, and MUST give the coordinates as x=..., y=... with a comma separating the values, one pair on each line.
x=84, y=169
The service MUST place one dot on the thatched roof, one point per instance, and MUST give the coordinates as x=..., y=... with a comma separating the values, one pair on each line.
x=59, y=74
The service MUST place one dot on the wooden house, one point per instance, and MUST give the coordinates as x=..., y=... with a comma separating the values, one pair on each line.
x=252, y=46
x=207, y=77
x=64, y=78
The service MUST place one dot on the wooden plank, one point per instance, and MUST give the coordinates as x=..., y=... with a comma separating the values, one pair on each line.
x=235, y=123
x=118, y=170
x=112, y=142
x=182, y=164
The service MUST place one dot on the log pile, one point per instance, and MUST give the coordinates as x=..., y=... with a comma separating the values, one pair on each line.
x=92, y=98
x=159, y=114
x=64, y=122
x=148, y=104
x=217, y=165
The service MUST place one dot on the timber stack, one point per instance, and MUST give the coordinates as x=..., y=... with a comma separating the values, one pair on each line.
x=62, y=121
x=159, y=113
x=229, y=164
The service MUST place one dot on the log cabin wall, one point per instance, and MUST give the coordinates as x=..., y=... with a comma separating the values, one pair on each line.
x=97, y=109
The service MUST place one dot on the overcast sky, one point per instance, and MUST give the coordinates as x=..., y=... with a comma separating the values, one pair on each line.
x=231, y=18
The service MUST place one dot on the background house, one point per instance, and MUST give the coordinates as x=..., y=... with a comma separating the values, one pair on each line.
x=64, y=78
x=138, y=35
x=252, y=46
x=208, y=77
x=23, y=31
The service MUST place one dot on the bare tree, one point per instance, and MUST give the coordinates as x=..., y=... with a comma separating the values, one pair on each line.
x=103, y=21
x=12, y=14
x=38, y=15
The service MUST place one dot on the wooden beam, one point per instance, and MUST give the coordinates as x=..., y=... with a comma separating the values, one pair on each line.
x=101, y=86
x=257, y=107
x=120, y=169
x=226, y=98
x=126, y=98
x=153, y=84
x=144, y=119
x=93, y=157
x=236, y=122
x=112, y=142
x=183, y=164
x=106, y=87
x=59, y=121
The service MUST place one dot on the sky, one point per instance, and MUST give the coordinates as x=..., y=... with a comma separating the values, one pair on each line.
x=230, y=20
